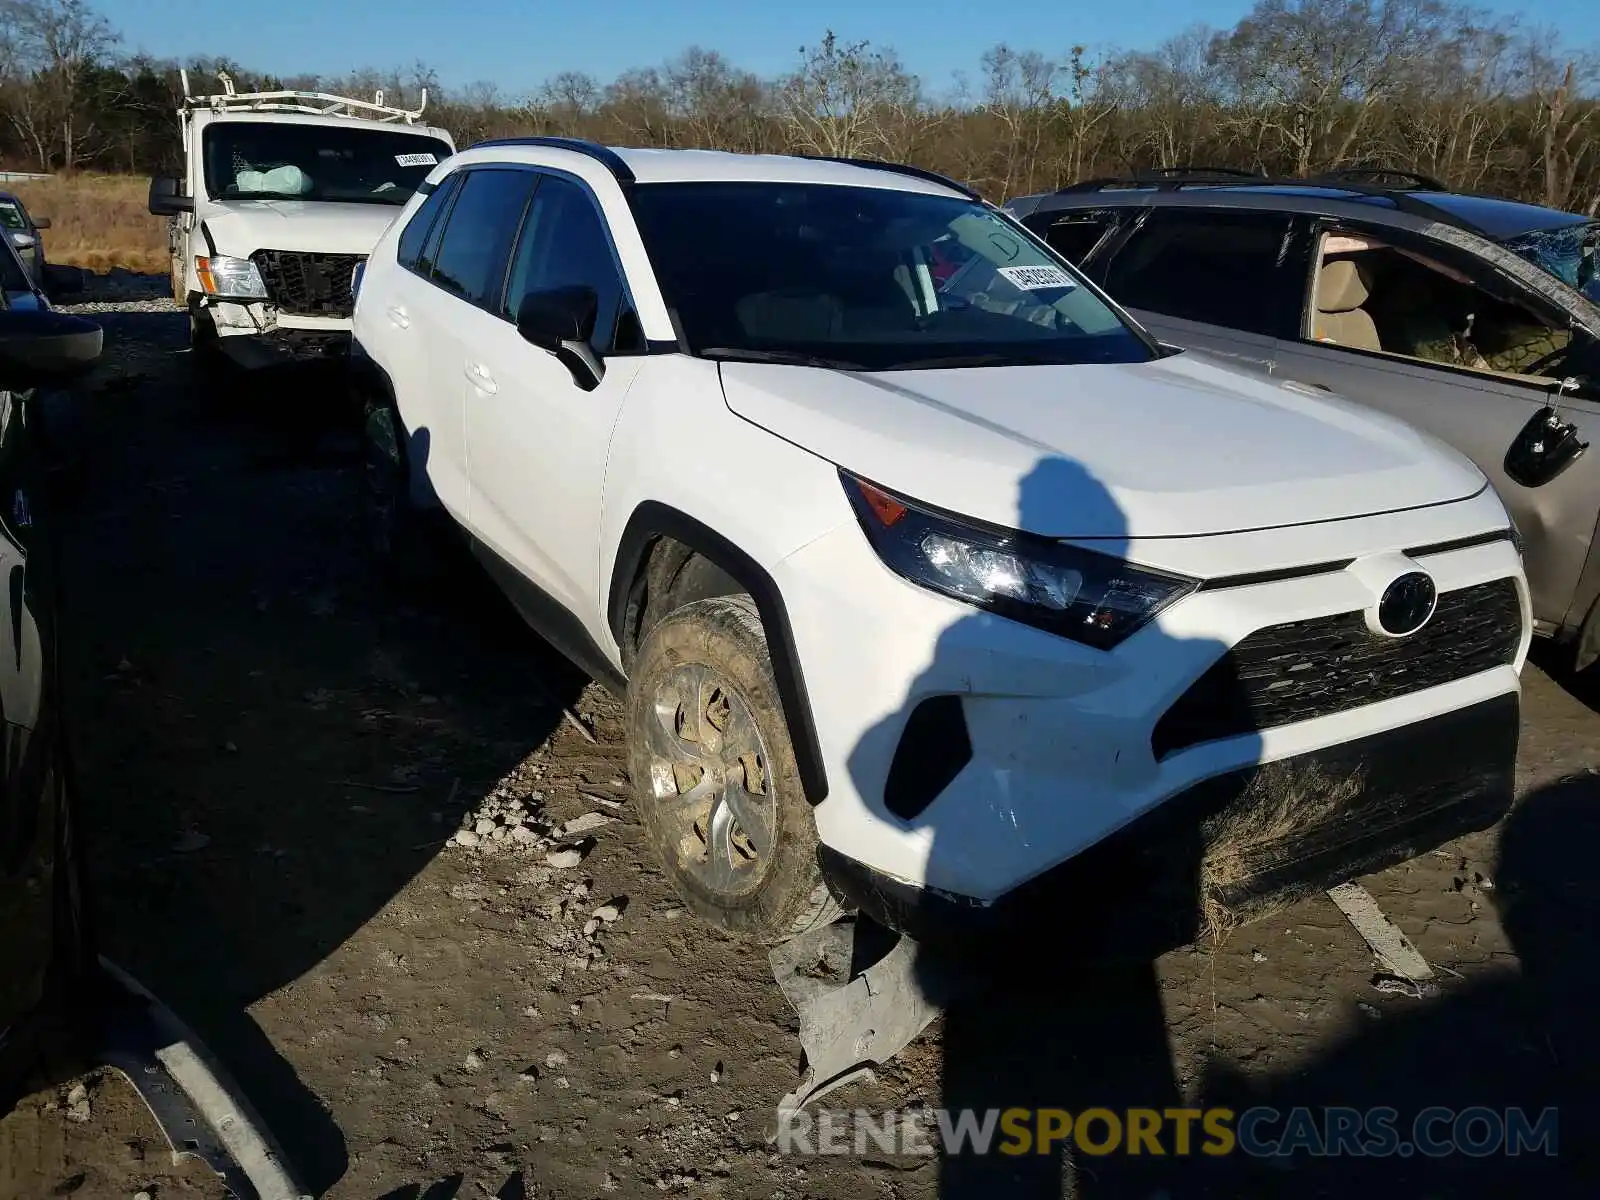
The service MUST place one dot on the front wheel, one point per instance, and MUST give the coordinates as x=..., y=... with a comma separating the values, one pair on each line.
x=400, y=542
x=712, y=762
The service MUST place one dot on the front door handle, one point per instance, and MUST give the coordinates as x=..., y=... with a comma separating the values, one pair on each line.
x=480, y=377
x=399, y=318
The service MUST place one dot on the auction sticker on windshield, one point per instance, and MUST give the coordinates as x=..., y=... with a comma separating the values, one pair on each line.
x=1038, y=279
x=416, y=160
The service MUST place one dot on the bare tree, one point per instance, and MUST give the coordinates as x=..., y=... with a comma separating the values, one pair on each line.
x=1562, y=125
x=839, y=99
x=1021, y=95
x=1311, y=72
x=52, y=47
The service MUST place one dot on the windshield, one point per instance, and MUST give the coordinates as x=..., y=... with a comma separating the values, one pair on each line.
x=11, y=215
x=1569, y=253
x=867, y=278
x=281, y=160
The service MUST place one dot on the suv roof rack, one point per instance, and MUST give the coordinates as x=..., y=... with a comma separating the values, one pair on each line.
x=1199, y=171
x=899, y=169
x=604, y=155
x=1374, y=171
x=1404, y=199
x=318, y=104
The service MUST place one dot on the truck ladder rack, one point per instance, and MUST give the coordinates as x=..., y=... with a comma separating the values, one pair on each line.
x=319, y=104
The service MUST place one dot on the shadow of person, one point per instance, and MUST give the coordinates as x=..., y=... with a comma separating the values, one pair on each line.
x=1465, y=1069
x=1059, y=806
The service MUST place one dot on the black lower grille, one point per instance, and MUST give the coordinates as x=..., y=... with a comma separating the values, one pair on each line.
x=1305, y=669
x=310, y=285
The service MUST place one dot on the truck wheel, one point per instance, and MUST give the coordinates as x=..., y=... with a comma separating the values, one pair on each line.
x=401, y=541
x=715, y=773
x=205, y=356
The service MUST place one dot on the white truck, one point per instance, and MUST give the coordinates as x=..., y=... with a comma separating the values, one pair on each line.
x=284, y=194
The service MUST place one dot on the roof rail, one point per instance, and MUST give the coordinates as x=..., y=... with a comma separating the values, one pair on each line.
x=319, y=104
x=1405, y=200
x=1196, y=171
x=899, y=169
x=1375, y=172
x=604, y=155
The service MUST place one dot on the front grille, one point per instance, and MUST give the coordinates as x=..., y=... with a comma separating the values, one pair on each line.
x=309, y=285
x=1305, y=669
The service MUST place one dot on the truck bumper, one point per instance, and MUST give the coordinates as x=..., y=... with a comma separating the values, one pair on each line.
x=280, y=347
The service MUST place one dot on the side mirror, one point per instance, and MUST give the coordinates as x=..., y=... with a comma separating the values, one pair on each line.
x=561, y=321
x=1545, y=447
x=39, y=347
x=41, y=222
x=167, y=198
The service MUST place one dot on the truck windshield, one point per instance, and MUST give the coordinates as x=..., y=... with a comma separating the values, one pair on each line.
x=283, y=160
x=868, y=278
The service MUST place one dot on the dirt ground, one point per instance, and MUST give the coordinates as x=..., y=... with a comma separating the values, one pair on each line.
x=275, y=750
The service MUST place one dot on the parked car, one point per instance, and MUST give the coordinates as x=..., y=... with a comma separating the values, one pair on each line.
x=56, y=992
x=927, y=594
x=21, y=287
x=1471, y=317
x=24, y=232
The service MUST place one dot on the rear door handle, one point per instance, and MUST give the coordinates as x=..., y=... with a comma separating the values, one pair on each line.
x=480, y=377
x=400, y=318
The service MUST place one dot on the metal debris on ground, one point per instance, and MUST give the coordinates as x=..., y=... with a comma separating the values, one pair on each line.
x=1396, y=985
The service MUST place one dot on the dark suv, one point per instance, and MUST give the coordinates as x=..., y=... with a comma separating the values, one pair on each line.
x=1471, y=317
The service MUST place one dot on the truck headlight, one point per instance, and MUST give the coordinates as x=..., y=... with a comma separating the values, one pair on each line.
x=230, y=278
x=1096, y=599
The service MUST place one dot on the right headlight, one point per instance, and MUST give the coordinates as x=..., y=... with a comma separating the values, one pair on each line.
x=1096, y=599
x=230, y=278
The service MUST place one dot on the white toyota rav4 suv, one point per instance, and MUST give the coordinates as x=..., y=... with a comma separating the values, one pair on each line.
x=936, y=587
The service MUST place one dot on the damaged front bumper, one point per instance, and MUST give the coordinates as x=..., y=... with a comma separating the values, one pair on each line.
x=1232, y=848
x=255, y=335
x=197, y=1105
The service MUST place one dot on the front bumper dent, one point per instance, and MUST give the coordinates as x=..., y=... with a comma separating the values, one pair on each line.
x=1232, y=848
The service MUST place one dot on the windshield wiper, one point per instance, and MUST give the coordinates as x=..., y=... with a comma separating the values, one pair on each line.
x=791, y=358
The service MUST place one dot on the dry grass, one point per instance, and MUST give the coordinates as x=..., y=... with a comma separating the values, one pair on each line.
x=1284, y=803
x=97, y=221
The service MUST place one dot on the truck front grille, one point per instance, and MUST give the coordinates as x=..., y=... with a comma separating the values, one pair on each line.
x=1306, y=669
x=306, y=284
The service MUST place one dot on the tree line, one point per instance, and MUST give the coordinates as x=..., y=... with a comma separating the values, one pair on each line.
x=1296, y=87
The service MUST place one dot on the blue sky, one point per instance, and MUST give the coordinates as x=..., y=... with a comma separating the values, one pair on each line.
x=518, y=43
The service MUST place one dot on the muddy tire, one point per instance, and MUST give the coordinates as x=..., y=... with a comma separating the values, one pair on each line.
x=714, y=770
x=206, y=359
x=400, y=539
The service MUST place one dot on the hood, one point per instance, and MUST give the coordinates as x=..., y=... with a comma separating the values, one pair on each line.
x=241, y=227
x=1172, y=448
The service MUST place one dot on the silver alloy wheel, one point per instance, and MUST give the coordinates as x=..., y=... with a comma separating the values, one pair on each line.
x=710, y=773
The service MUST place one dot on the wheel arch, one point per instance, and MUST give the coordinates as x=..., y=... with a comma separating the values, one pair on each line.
x=652, y=522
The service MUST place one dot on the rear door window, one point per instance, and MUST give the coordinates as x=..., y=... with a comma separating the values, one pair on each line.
x=483, y=223
x=1073, y=235
x=415, y=235
x=1241, y=270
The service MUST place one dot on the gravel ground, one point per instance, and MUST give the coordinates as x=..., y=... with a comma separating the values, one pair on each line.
x=278, y=755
